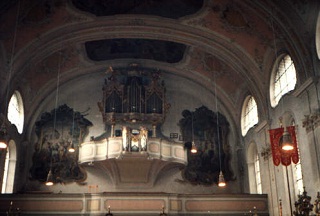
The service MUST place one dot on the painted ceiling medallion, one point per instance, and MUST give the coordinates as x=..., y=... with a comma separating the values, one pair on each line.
x=109, y=49
x=173, y=9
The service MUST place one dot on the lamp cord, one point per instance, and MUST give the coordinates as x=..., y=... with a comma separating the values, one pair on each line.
x=274, y=39
x=192, y=129
x=218, y=134
x=72, y=126
x=277, y=62
x=56, y=104
x=57, y=96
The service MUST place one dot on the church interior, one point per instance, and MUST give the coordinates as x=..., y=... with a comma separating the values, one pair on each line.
x=180, y=107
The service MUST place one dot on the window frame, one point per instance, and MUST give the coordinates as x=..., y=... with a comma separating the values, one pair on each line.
x=15, y=113
x=281, y=74
x=10, y=168
x=247, y=119
x=317, y=36
x=257, y=171
x=255, y=181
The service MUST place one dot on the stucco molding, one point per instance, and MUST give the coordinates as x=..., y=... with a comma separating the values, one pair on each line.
x=311, y=121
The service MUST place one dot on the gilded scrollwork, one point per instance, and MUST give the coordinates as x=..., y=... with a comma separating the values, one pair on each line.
x=133, y=95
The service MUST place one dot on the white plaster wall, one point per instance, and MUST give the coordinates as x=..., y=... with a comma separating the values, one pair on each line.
x=274, y=181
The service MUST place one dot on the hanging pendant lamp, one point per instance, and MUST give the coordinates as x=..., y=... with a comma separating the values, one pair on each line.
x=286, y=144
x=193, y=145
x=71, y=149
x=49, y=181
x=193, y=148
x=3, y=139
x=221, y=180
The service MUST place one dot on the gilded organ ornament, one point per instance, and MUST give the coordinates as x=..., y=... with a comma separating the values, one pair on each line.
x=134, y=97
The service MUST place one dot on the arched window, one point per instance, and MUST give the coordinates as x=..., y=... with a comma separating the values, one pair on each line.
x=254, y=173
x=9, y=168
x=318, y=36
x=283, y=79
x=257, y=173
x=249, y=115
x=295, y=180
x=16, y=111
x=297, y=177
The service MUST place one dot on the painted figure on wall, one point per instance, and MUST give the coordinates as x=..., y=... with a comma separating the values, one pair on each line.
x=59, y=132
x=209, y=131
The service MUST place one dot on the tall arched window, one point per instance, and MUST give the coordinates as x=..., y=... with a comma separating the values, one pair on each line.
x=9, y=168
x=16, y=111
x=297, y=177
x=295, y=180
x=318, y=36
x=257, y=173
x=253, y=161
x=283, y=79
x=249, y=115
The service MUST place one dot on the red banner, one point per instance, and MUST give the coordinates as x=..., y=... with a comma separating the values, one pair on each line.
x=279, y=155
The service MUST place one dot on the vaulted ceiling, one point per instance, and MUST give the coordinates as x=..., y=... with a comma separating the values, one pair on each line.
x=231, y=44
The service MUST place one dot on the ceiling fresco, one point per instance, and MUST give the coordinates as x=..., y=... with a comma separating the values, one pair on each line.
x=158, y=50
x=173, y=9
x=224, y=42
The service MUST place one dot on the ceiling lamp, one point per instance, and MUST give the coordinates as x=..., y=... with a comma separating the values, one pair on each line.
x=286, y=144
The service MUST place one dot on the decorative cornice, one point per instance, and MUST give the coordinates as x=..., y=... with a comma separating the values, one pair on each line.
x=261, y=126
x=305, y=85
x=266, y=152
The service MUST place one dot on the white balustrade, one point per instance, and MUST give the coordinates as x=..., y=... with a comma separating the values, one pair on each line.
x=113, y=148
